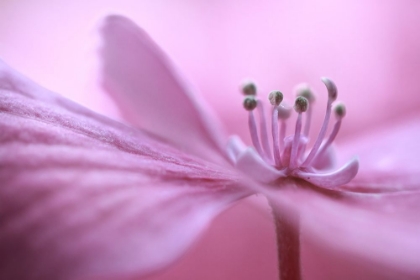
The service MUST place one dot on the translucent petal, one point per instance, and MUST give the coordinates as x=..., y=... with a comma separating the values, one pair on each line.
x=84, y=196
x=152, y=94
x=250, y=163
x=333, y=179
x=389, y=157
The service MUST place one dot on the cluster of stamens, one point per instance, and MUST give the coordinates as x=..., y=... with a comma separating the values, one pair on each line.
x=287, y=156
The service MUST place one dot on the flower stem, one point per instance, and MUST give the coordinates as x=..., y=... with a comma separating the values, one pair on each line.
x=288, y=243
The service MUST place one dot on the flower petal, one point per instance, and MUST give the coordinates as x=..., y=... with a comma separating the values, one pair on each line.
x=389, y=158
x=152, y=94
x=364, y=237
x=82, y=195
x=349, y=235
x=251, y=164
x=333, y=179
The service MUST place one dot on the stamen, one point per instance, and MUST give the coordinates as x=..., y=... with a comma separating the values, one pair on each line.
x=301, y=105
x=250, y=103
x=284, y=111
x=288, y=151
x=340, y=112
x=275, y=97
x=332, y=95
x=249, y=88
x=305, y=91
x=263, y=130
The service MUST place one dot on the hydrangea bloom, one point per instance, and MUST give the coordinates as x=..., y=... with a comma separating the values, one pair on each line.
x=84, y=196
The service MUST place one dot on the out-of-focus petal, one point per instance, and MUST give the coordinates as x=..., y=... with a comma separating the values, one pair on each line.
x=334, y=178
x=389, y=158
x=367, y=236
x=152, y=94
x=82, y=195
x=348, y=235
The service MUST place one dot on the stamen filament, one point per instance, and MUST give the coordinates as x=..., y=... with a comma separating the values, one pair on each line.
x=254, y=133
x=263, y=130
x=321, y=135
x=295, y=145
x=307, y=121
x=283, y=128
x=275, y=133
x=330, y=139
x=332, y=96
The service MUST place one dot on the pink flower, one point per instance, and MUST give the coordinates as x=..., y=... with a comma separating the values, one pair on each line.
x=382, y=184
x=63, y=216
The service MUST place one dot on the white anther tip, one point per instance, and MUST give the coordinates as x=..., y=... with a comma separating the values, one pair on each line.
x=331, y=87
x=301, y=104
x=304, y=90
x=249, y=88
x=250, y=103
x=284, y=111
x=275, y=97
x=340, y=110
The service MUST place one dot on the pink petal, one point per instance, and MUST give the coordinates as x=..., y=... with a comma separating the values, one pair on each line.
x=250, y=163
x=151, y=93
x=362, y=237
x=332, y=179
x=354, y=236
x=389, y=157
x=82, y=195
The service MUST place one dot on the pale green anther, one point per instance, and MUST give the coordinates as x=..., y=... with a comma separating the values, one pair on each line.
x=250, y=103
x=284, y=111
x=305, y=91
x=275, y=97
x=249, y=88
x=340, y=110
x=301, y=104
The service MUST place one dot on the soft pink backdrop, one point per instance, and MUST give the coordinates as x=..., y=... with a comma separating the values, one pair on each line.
x=370, y=48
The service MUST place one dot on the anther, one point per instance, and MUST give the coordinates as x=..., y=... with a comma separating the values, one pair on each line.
x=301, y=104
x=284, y=111
x=305, y=91
x=250, y=103
x=275, y=97
x=340, y=110
x=249, y=88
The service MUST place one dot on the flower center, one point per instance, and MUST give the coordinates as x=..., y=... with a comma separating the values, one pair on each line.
x=288, y=156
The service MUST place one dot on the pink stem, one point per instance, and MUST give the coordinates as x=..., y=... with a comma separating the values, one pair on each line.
x=288, y=244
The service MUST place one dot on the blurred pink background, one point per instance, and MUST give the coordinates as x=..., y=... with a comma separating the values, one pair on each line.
x=370, y=48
